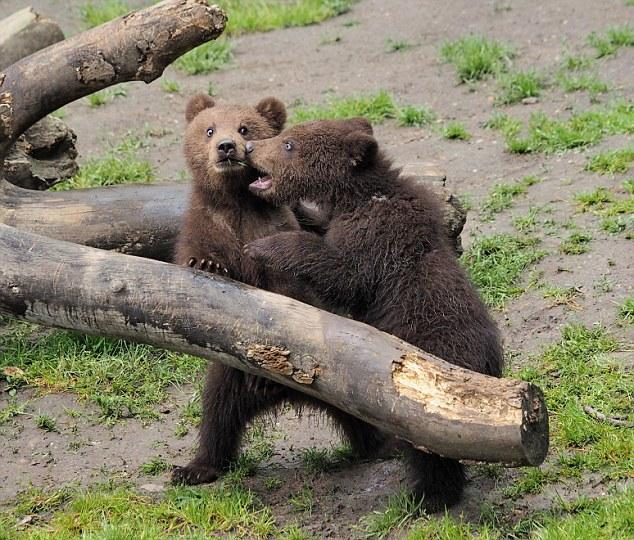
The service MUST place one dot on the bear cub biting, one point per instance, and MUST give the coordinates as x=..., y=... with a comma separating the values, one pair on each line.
x=222, y=217
x=385, y=258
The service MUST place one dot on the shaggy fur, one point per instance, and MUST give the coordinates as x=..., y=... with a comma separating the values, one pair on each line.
x=385, y=259
x=223, y=216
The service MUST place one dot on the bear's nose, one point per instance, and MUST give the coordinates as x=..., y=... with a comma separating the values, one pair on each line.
x=249, y=147
x=227, y=147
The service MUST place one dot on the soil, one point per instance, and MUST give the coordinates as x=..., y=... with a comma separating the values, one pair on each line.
x=306, y=65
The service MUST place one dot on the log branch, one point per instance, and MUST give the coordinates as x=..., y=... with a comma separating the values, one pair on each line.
x=372, y=375
x=136, y=47
x=140, y=220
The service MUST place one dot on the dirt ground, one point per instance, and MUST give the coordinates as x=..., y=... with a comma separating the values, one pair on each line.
x=304, y=65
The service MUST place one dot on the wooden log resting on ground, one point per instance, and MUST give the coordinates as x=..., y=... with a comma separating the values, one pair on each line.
x=137, y=46
x=25, y=32
x=370, y=374
x=140, y=220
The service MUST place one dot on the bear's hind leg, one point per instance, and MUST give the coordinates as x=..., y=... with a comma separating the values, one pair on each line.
x=366, y=440
x=231, y=398
x=437, y=481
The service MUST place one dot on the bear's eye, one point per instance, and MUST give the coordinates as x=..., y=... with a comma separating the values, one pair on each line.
x=288, y=146
x=210, y=132
x=243, y=130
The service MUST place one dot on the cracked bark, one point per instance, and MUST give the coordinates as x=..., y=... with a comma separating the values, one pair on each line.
x=135, y=47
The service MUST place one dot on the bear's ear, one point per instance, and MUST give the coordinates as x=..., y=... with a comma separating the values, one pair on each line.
x=357, y=124
x=274, y=111
x=196, y=104
x=361, y=147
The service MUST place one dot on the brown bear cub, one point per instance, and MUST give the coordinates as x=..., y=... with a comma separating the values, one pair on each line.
x=223, y=216
x=385, y=258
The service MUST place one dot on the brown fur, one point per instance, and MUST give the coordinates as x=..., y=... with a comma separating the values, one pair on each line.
x=223, y=216
x=385, y=258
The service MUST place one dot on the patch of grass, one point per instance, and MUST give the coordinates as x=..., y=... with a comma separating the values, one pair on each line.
x=514, y=87
x=106, y=95
x=123, y=379
x=594, y=199
x=577, y=372
x=374, y=107
x=502, y=195
x=100, y=12
x=619, y=217
x=392, y=46
x=612, y=161
x=170, y=86
x=401, y=509
x=266, y=15
x=415, y=116
x=206, y=58
x=455, y=131
x=628, y=185
x=155, y=466
x=114, y=513
x=532, y=480
x=46, y=422
x=575, y=82
x=60, y=113
x=528, y=222
x=118, y=166
x=613, y=39
x=544, y=134
x=303, y=500
x=576, y=63
x=503, y=122
x=626, y=311
x=563, y=296
x=11, y=410
x=576, y=244
x=476, y=57
x=317, y=460
x=496, y=264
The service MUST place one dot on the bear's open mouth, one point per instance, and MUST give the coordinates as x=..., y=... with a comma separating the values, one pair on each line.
x=261, y=184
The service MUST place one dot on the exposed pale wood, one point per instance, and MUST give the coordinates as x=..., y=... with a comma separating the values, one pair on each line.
x=25, y=32
x=139, y=220
x=136, y=47
x=370, y=374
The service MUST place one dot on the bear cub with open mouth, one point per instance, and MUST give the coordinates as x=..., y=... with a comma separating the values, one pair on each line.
x=385, y=259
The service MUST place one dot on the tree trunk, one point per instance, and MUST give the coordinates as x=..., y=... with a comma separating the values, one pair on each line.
x=25, y=32
x=372, y=375
x=137, y=46
x=140, y=220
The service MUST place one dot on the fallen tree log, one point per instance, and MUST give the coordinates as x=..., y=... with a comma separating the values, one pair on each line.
x=370, y=374
x=137, y=46
x=140, y=220
x=25, y=32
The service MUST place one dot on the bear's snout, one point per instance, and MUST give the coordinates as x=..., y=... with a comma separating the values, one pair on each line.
x=226, y=149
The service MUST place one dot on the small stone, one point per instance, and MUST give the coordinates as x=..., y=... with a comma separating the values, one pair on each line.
x=530, y=100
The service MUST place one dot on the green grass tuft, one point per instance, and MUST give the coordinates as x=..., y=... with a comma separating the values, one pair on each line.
x=170, y=86
x=206, y=58
x=455, y=131
x=544, y=134
x=392, y=46
x=46, y=422
x=516, y=86
x=155, y=467
x=476, y=57
x=612, y=162
x=614, y=38
x=626, y=311
x=374, y=107
x=401, y=509
x=98, y=99
x=502, y=195
x=576, y=244
x=118, y=166
x=123, y=379
x=594, y=199
x=327, y=459
x=496, y=264
x=100, y=12
x=415, y=116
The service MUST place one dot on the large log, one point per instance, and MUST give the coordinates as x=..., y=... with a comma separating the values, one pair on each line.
x=370, y=374
x=140, y=220
x=25, y=32
x=135, y=47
